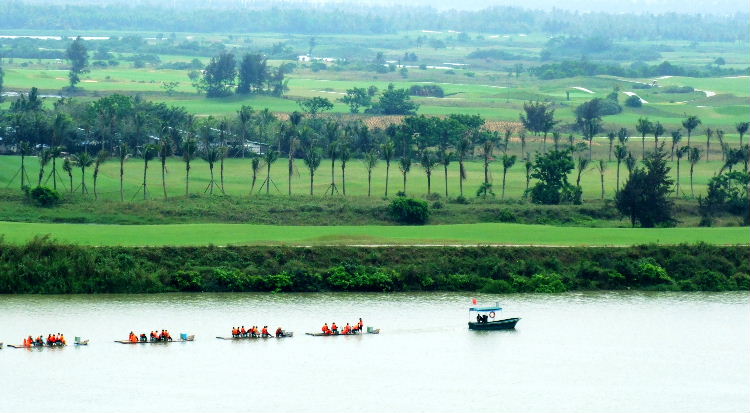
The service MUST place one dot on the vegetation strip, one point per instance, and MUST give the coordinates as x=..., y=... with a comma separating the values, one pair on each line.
x=247, y=234
x=41, y=266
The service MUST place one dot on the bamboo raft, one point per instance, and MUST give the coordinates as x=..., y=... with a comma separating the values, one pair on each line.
x=77, y=343
x=285, y=334
x=189, y=338
x=369, y=331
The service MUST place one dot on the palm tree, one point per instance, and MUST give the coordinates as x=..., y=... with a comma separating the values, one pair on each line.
x=269, y=158
x=690, y=124
x=101, y=157
x=657, y=131
x=345, y=154
x=404, y=164
x=293, y=141
x=508, y=132
x=428, y=162
x=165, y=149
x=149, y=151
x=487, y=146
x=522, y=137
x=611, y=136
x=312, y=159
x=189, y=148
x=601, y=166
x=630, y=163
x=528, y=166
x=388, y=150
x=24, y=149
x=444, y=158
x=644, y=127
x=622, y=136
x=244, y=116
x=83, y=161
x=462, y=149
x=581, y=167
x=508, y=162
x=621, y=152
x=255, y=164
x=371, y=160
x=54, y=153
x=556, y=139
x=742, y=130
x=571, y=141
x=223, y=128
x=68, y=168
x=59, y=128
x=333, y=153
x=709, y=135
x=44, y=157
x=724, y=147
x=123, y=152
x=676, y=138
x=681, y=152
x=693, y=157
x=211, y=155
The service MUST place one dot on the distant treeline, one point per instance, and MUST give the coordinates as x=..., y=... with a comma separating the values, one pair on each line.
x=295, y=18
x=45, y=267
x=573, y=68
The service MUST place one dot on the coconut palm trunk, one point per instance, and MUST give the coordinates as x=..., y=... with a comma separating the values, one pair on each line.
x=387, y=175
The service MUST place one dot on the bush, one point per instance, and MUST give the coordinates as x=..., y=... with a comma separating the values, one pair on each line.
x=633, y=102
x=648, y=272
x=44, y=197
x=678, y=89
x=708, y=280
x=547, y=283
x=409, y=211
x=497, y=287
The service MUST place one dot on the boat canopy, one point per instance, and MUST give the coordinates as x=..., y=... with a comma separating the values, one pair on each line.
x=485, y=309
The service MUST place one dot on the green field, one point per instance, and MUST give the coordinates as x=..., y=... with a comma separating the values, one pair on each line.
x=244, y=234
x=238, y=177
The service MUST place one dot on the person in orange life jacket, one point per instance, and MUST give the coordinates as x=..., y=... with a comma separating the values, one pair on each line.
x=347, y=329
x=334, y=328
x=325, y=329
x=279, y=332
x=265, y=332
x=243, y=332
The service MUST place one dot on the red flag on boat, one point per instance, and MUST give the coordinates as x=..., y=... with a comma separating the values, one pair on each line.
x=474, y=301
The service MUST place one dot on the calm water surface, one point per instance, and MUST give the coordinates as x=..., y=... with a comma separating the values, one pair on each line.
x=605, y=352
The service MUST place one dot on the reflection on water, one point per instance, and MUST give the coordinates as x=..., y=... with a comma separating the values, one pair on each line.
x=613, y=351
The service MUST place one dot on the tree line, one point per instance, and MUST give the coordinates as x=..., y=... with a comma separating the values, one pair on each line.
x=84, y=135
x=333, y=19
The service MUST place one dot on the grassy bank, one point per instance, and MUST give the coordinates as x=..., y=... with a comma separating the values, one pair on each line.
x=41, y=266
x=459, y=234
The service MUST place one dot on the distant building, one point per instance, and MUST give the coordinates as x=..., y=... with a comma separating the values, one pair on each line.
x=304, y=58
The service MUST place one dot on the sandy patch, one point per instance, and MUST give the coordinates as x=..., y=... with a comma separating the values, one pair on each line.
x=60, y=78
x=328, y=91
x=664, y=77
x=708, y=93
x=582, y=89
x=634, y=94
x=90, y=81
x=736, y=77
x=430, y=31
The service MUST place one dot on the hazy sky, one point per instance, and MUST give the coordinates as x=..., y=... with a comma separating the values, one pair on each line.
x=614, y=6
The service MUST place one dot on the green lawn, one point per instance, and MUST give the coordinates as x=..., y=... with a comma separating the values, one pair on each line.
x=246, y=234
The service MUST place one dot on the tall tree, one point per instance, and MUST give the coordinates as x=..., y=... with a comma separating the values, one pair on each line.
x=444, y=158
x=78, y=56
x=24, y=149
x=644, y=198
x=371, y=160
x=658, y=131
x=463, y=148
x=681, y=152
x=581, y=166
x=345, y=153
x=60, y=126
x=601, y=166
x=741, y=128
x=44, y=158
x=219, y=76
x=123, y=153
x=589, y=120
x=149, y=151
x=253, y=74
x=388, y=150
x=709, y=135
x=630, y=163
x=724, y=148
x=223, y=130
x=189, y=148
x=690, y=123
x=529, y=167
x=255, y=164
x=404, y=164
x=428, y=162
x=268, y=159
x=693, y=157
x=644, y=127
x=611, y=136
x=556, y=139
x=100, y=158
x=165, y=150
x=83, y=160
x=68, y=168
x=312, y=159
x=508, y=162
x=211, y=155
x=676, y=138
x=621, y=152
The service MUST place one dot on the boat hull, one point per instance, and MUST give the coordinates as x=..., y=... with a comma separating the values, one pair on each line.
x=507, y=324
x=285, y=335
x=190, y=338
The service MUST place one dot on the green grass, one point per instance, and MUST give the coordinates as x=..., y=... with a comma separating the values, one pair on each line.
x=246, y=234
x=238, y=176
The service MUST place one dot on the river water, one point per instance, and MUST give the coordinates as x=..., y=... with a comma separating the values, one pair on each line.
x=604, y=352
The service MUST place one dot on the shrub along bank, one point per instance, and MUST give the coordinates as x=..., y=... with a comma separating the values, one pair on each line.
x=42, y=266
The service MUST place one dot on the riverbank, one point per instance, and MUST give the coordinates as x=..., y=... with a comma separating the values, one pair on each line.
x=46, y=267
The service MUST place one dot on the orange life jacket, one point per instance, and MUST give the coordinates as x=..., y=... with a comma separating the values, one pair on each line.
x=334, y=327
x=265, y=331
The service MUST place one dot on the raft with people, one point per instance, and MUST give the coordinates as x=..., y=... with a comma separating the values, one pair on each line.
x=242, y=333
x=155, y=337
x=348, y=330
x=53, y=340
